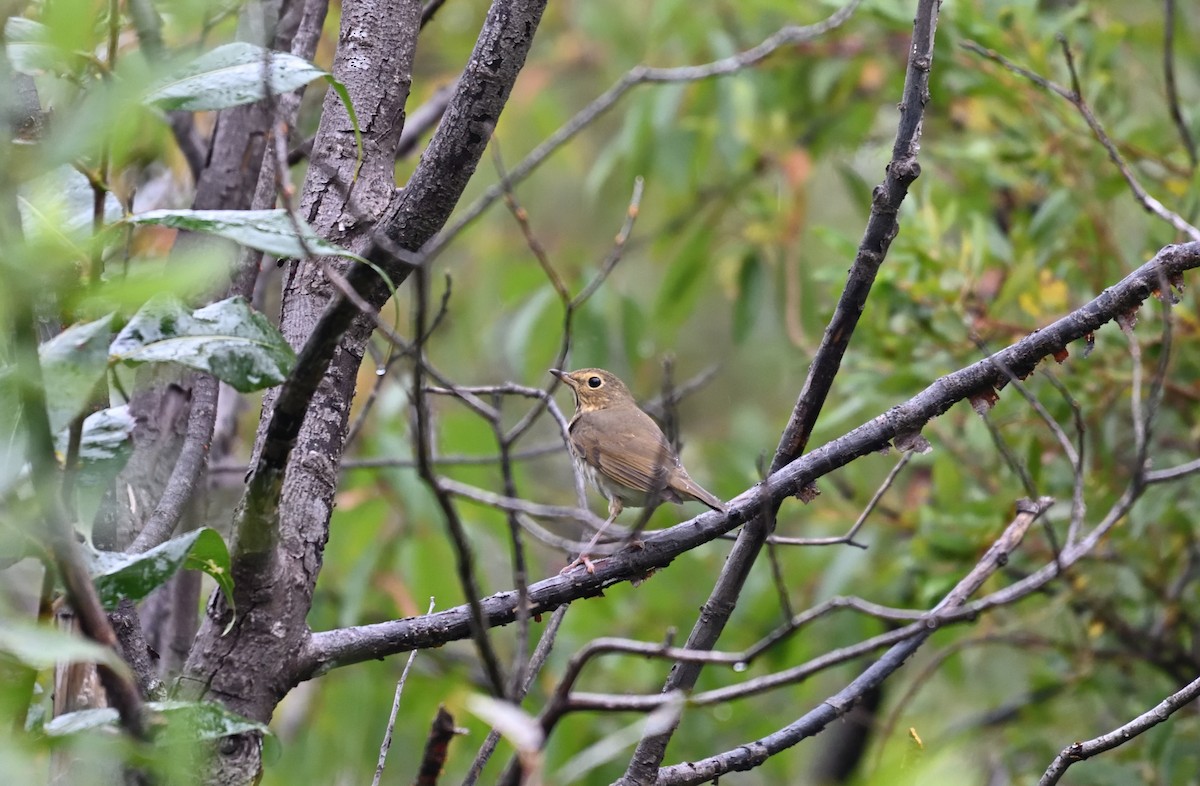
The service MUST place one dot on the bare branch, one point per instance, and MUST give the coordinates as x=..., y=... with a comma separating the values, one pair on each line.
x=386, y=745
x=1074, y=455
x=188, y=470
x=1080, y=751
x=882, y=226
x=570, y=307
x=351, y=645
x=1185, y=134
x=464, y=556
x=755, y=753
x=418, y=213
x=385, y=462
x=848, y=538
x=1173, y=473
x=517, y=505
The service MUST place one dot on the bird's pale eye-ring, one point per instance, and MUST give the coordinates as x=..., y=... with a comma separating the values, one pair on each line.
x=595, y=382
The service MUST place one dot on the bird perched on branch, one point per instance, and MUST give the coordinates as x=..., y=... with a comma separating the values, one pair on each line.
x=622, y=451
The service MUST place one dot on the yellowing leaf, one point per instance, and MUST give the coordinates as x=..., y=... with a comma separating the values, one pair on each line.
x=1050, y=297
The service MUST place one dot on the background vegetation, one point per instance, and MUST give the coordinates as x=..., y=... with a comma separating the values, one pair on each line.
x=757, y=189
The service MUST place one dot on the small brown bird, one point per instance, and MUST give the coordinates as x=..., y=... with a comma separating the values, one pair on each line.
x=622, y=451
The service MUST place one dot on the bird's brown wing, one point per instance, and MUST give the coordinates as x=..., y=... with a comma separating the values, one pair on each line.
x=628, y=447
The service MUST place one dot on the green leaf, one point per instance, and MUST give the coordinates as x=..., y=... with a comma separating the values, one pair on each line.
x=683, y=282
x=201, y=721
x=521, y=328
x=232, y=75
x=41, y=647
x=103, y=452
x=134, y=576
x=749, y=297
x=25, y=43
x=106, y=435
x=210, y=555
x=73, y=362
x=104, y=448
x=58, y=208
x=205, y=720
x=271, y=231
x=228, y=339
x=342, y=93
x=80, y=720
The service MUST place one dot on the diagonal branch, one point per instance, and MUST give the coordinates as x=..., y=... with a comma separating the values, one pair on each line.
x=421, y=210
x=311, y=407
x=330, y=649
x=1079, y=751
x=755, y=753
x=882, y=227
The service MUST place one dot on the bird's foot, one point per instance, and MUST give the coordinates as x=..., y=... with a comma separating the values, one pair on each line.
x=583, y=560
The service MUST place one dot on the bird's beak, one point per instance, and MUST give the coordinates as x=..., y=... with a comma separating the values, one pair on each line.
x=562, y=376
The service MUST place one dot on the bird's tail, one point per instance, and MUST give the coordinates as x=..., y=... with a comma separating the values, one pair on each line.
x=690, y=488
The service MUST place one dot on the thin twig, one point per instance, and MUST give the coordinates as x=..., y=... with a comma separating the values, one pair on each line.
x=874, y=502
x=386, y=745
x=522, y=217
x=520, y=570
x=538, y=659
x=767, y=511
x=561, y=698
x=188, y=470
x=395, y=354
x=1181, y=125
x=1149, y=203
x=342, y=284
x=518, y=505
x=1141, y=436
x=389, y=462
x=1074, y=457
x=1154, y=398
x=786, y=36
x=571, y=307
x=1173, y=473
x=1078, y=506
x=464, y=556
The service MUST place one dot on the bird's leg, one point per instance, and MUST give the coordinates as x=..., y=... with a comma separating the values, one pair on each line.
x=614, y=510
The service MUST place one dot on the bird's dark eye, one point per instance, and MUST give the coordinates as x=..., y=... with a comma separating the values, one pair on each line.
x=595, y=382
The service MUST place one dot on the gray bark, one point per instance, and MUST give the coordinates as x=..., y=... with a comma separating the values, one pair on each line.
x=251, y=668
x=274, y=591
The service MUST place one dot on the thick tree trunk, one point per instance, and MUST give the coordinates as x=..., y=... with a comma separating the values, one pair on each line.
x=253, y=666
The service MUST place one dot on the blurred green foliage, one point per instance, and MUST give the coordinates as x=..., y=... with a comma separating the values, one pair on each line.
x=757, y=190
